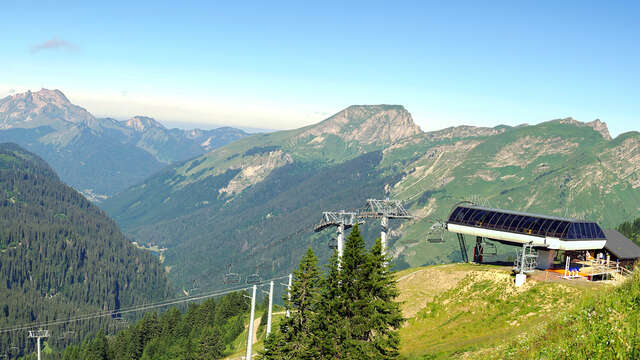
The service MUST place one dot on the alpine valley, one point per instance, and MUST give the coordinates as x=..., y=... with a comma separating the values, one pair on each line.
x=61, y=256
x=99, y=156
x=253, y=203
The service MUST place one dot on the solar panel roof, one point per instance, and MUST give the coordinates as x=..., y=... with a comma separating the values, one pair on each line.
x=526, y=223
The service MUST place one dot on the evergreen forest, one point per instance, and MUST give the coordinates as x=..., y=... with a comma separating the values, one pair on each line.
x=61, y=256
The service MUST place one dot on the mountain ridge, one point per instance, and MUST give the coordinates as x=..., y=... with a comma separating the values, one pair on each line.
x=196, y=204
x=142, y=123
x=99, y=156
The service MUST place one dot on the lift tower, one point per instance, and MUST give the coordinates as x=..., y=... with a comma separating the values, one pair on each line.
x=38, y=334
x=385, y=210
x=342, y=220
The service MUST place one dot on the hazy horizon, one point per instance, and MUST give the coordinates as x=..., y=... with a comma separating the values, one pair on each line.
x=287, y=65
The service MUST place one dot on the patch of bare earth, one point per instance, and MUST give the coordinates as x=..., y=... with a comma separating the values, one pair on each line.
x=624, y=161
x=420, y=287
x=256, y=169
x=434, y=167
x=526, y=150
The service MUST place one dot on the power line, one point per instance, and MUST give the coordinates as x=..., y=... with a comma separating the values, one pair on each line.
x=131, y=309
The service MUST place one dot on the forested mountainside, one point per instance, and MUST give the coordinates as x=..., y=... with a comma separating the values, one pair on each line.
x=99, y=156
x=61, y=256
x=256, y=200
x=205, y=331
x=631, y=229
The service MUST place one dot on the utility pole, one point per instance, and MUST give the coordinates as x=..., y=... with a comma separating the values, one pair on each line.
x=288, y=314
x=342, y=220
x=253, y=313
x=270, y=313
x=38, y=334
x=385, y=210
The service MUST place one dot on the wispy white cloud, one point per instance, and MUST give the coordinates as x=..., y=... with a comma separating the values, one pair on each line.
x=54, y=44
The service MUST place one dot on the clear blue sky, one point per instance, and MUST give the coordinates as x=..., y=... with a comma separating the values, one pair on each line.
x=287, y=64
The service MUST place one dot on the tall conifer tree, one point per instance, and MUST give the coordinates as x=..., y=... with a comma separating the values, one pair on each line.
x=297, y=338
x=383, y=312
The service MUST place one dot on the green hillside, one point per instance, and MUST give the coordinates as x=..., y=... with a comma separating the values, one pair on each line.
x=61, y=256
x=276, y=185
x=604, y=325
x=466, y=311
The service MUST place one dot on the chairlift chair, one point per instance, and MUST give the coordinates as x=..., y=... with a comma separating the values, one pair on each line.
x=435, y=236
x=436, y=233
x=333, y=243
x=231, y=278
x=490, y=249
x=254, y=278
x=67, y=334
x=195, y=286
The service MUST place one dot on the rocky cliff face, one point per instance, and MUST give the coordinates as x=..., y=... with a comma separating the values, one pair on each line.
x=368, y=124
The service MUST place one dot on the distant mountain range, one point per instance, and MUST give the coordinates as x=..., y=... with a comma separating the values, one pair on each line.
x=99, y=156
x=61, y=256
x=254, y=202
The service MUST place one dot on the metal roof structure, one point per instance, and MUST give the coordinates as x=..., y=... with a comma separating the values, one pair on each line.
x=620, y=246
x=537, y=225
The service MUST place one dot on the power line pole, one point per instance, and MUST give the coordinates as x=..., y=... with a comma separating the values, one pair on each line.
x=38, y=334
x=253, y=313
x=270, y=313
x=385, y=210
x=288, y=314
x=342, y=220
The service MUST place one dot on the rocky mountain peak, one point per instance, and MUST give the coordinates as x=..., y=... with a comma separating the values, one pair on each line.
x=41, y=108
x=600, y=127
x=596, y=125
x=368, y=124
x=142, y=123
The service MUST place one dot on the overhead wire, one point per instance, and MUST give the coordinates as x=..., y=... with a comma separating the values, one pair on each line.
x=135, y=308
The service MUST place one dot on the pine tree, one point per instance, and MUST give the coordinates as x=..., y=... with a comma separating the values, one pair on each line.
x=357, y=309
x=273, y=346
x=98, y=347
x=331, y=329
x=297, y=333
x=352, y=295
x=210, y=345
x=383, y=312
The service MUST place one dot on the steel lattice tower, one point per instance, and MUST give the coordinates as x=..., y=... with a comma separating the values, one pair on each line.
x=342, y=220
x=385, y=210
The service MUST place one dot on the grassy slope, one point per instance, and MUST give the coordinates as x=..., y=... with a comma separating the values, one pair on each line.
x=239, y=347
x=604, y=325
x=465, y=311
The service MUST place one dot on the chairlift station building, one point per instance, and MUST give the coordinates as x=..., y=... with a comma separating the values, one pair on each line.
x=547, y=234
